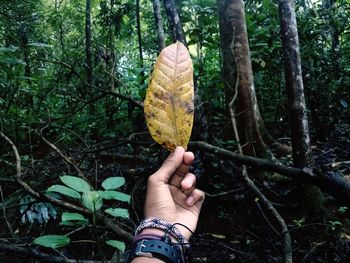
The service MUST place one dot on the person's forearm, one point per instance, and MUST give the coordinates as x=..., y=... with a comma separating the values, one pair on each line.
x=146, y=260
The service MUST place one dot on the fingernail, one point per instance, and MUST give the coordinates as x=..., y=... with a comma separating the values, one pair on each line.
x=177, y=150
x=189, y=200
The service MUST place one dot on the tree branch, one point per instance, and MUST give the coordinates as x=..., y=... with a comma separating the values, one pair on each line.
x=32, y=252
x=112, y=93
x=329, y=182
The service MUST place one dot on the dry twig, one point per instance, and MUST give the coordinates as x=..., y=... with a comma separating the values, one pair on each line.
x=287, y=242
x=64, y=157
x=4, y=213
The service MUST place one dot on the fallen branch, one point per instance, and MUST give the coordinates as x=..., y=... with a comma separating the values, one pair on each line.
x=32, y=252
x=329, y=182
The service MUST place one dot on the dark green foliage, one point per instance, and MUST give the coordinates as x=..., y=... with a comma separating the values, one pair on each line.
x=43, y=72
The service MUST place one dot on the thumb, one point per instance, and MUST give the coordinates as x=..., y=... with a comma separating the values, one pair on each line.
x=170, y=165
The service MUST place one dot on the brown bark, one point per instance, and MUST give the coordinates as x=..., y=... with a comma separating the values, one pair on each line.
x=311, y=198
x=159, y=24
x=294, y=83
x=236, y=64
x=174, y=22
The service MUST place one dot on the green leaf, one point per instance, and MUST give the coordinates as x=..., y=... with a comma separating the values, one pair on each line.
x=92, y=200
x=69, y=223
x=67, y=216
x=8, y=49
x=73, y=219
x=40, y=45
x=52, y=241
x=266, y=4
x=108, y=195
x=113, y=183
x=64, y=190
x=118, y=212
x=76, y=183
x=117, y=244
x=13, y=61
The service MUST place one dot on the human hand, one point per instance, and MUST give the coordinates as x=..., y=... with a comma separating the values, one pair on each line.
x=171, y=193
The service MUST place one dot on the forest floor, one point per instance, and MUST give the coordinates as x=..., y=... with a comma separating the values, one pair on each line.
x=233, y=227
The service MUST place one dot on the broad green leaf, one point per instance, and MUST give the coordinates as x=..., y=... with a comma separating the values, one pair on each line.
x=69, y=223
x=113, y=183
x=40, y=45
x=73, y=219
x=67, y=216
x=117, y=244
x=169, y=107
x=13, y=61
x=108, y=195
x=64, y=190
x=76, y=183
x=52, y=241
x=92, y=200
x=117, y=212
x=8, y=49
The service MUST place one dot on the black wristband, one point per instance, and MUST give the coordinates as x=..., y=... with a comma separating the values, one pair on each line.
x=167, y=252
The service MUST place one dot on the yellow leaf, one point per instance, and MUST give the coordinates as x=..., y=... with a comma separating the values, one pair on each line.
x=168, y=106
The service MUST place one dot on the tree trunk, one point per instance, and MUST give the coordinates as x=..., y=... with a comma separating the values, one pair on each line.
x=159, y=24
x=294, y=85
x=23, y=39
x=174, y=22
x=310, y=198
x=88, y=48
x=236, y=64
x=89, y=66
x=139, y=38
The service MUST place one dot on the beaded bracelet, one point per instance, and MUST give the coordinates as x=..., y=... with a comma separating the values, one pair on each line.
x=166, y=226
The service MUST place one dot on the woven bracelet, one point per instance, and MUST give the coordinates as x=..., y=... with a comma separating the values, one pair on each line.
x=166, y=226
